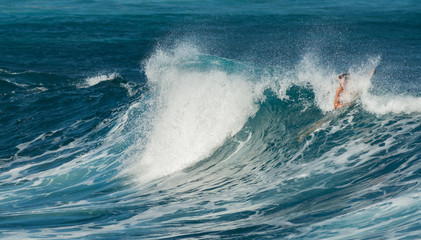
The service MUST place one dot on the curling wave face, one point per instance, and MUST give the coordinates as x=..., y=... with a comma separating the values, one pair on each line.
x=212, y=147
x=198, y=107
x=250, y=146
x=225, y=131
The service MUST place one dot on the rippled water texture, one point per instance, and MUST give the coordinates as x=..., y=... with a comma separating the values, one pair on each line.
x=209, y=120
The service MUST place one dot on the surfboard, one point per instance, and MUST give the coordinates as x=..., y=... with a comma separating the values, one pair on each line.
x=306, y=131
x=371, y=73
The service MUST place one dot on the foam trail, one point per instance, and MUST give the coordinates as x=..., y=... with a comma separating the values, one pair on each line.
x=383, y=103
x=198, y=110
x=360, y=85
x=391, y=104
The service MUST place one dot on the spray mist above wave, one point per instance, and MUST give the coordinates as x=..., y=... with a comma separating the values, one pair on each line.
x=199, y=105
x=322, y=79
x=323, y=82
x=201, y=100
x=383, y=102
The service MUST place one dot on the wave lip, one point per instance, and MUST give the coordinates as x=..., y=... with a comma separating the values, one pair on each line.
x=198, y=109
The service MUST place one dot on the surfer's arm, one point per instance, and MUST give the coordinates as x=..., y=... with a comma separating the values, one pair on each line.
x=336, y=102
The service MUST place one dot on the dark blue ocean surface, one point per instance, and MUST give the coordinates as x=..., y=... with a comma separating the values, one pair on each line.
x=209, y=120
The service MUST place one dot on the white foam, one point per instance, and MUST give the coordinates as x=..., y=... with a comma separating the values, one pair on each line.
x=321, y=78
x=198, y=110
x=92, y=81
x=360, y=84
x=38, y=89
x=324, y=83
x=21, y=85
x=391, y=104
x=130, y=91
x=13, y=73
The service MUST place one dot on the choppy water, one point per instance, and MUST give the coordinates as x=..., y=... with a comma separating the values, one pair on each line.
x=209, y=120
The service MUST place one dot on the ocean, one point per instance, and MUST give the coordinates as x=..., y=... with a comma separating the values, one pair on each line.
x=139, y=119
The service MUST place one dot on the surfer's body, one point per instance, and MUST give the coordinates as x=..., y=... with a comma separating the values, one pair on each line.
x=342, y=79
x=337, y=102
x=345, y=97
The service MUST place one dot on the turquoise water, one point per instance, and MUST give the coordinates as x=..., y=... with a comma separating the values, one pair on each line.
x=209, y=120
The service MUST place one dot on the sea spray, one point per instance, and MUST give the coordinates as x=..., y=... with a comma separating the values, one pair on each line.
x=197, y=110
x=67, y=145
x=199, y=102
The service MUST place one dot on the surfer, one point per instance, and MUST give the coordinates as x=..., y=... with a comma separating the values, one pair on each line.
x=342, y=79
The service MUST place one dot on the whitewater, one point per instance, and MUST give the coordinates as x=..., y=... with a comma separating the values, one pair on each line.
x=176, y=120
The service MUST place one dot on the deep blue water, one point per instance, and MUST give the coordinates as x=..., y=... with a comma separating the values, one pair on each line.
x=209, y=120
